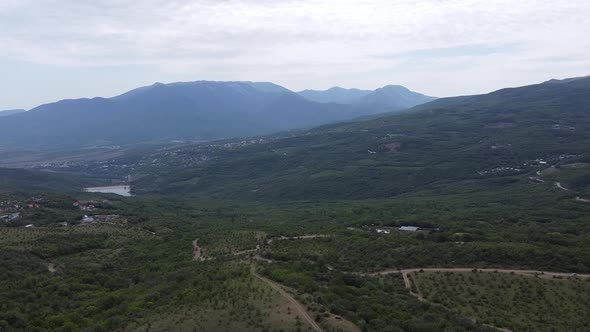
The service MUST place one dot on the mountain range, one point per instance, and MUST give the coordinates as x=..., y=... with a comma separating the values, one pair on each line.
x=195, y=111
x=387, y=98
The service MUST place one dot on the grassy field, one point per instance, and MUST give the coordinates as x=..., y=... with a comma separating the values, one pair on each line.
x=516, y=302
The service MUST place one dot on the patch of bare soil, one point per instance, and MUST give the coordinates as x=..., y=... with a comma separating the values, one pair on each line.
x=197, y=252
x=51, y=267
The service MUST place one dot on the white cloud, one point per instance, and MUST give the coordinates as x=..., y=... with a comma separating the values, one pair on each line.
x=310, y=43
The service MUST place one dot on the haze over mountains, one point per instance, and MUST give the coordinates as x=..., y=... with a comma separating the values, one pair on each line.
x=201, y=110
x=387, y=98
x=11, y=112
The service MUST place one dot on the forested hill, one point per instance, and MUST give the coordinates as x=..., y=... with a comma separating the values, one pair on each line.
x=187, y=111
x=37, y=181
x=507, y=135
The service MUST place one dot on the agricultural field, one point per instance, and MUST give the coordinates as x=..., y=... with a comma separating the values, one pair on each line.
x=511, y=301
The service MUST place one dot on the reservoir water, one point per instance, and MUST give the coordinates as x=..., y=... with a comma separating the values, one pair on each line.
x=118, y=190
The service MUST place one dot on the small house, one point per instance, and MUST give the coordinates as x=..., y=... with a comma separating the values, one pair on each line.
x=87, y=219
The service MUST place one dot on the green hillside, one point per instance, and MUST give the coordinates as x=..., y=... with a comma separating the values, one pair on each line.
x=37, y=181
x=257, y=234
x=511, y=132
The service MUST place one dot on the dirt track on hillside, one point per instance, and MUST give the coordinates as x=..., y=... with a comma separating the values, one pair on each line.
x=197, y=252
x=531, y=273
x=303, y=313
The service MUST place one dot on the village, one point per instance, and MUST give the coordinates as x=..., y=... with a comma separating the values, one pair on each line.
x=528, y=165
x=11, y=209
x=19, y=212
x=94, y=205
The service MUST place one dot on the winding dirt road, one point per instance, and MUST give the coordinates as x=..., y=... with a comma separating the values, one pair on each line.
x=558, y=185
x=197, y=252
x=531, y=273
x=300, y=308
x=409, y=277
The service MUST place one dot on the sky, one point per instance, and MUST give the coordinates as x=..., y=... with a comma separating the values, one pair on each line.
x=58, y=49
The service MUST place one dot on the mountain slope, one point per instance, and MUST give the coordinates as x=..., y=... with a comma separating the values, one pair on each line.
x=11, y=112
x=496, y=138
x=336, y=95
x=195, y=111
x=393, y=97
x=387, y=98
x=38, y=181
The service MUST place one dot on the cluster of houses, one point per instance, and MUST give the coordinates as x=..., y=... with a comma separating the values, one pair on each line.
x=10, y=210
x=93, y=205
x=388, y=230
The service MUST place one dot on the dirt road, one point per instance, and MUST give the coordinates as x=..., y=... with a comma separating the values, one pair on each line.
x=301, y=237
x=558, y=185
x=531, y=273
x=197, y=252
x=407, y=275
x=300, y=308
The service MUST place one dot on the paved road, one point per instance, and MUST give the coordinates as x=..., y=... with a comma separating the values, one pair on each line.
x=303, y=313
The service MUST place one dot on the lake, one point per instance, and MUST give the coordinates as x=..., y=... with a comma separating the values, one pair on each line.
x=118, y=190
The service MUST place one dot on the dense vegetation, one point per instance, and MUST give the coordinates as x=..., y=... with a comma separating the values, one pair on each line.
x=119, y=276
x=496, y=181
x=506, y=133
x=34, y=181
x=522, y=303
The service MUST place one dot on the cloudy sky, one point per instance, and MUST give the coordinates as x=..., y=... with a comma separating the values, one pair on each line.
x=55, y=49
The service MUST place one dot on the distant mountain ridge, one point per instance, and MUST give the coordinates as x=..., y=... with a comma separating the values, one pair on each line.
x=199, y=110
x=11, y=112
x=387, y=98
x=193, y=111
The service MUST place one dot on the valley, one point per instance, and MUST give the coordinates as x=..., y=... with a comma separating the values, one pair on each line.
x=295, y=166
x=429, y=219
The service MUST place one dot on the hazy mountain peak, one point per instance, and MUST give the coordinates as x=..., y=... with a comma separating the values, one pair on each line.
x=335, y=94
x=11, y=112
x=387, y=98
x=198, y=110
x=567, y=80
x=394, y=87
